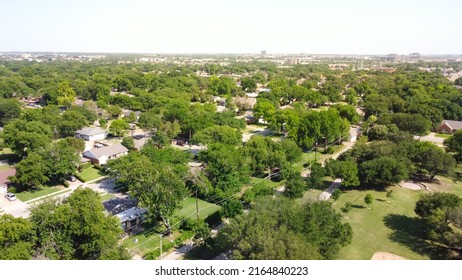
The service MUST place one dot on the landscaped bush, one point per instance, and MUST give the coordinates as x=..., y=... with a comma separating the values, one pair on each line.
x=213, y=219
x=12, y=189
x=258, y=190
x=79, y=177
x=166, y=246
x=85, y=165
x=330, y=150
x=99, y=167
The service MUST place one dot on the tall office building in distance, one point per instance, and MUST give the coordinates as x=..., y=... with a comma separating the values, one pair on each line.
x=263, y=53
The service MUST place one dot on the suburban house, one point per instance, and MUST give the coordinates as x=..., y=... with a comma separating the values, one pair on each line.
x=4, y=181
x=139, y=143
x=448, y=126
x=103, y=154
x=91, y=133
x=131, y=218
x=355, y=132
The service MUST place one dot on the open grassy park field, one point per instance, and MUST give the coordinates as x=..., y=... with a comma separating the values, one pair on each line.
x=389, y=224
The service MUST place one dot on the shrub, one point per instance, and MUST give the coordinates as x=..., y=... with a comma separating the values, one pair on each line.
x=213, y=219
x=169, y=245
x=231, y=208
x=369, y=198
x=336, y=194
x=330, y=150
x=347, y=207
x=85, y=165
x=79, y=177
x=12, y=189
x=390, y=193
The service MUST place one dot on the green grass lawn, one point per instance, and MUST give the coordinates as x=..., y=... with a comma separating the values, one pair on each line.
x=388, y=224
x=6, y=151
x=148, y=240
x=28, y=195
x=188, y=208
x=310, y=195
x=51, y=196
x=90, y=173
x=106, y=196
x=7, y=154
x=5, y=167
x=442, y=135
x=305, y=159
x=273, y=184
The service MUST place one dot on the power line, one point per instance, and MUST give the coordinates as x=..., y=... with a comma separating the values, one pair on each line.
x=185, y=218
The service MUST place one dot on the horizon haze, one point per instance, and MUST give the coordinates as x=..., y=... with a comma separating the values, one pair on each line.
x=238, y=27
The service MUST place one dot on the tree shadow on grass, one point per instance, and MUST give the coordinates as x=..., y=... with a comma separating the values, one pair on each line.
x=410, y=231
x=358, y=206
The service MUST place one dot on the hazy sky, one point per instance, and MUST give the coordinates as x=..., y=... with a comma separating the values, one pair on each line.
x=233, y=26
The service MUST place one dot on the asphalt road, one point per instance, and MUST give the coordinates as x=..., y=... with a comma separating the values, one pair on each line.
x=18, y=208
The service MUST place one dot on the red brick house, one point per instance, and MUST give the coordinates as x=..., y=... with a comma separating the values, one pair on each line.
x=449, y=127
x=4, y=181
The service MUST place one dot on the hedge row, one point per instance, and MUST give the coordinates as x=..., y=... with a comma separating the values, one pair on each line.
x=185, y=235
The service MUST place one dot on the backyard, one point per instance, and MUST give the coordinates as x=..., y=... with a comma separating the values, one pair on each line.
x=149, y=240
x=188, y=209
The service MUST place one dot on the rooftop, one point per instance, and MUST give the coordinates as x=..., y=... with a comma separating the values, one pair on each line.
x=5, y=174
x=105, y=151
x=131, y=214
x=91, y=131
x=456, y=125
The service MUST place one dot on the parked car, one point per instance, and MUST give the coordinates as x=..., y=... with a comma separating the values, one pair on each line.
x=72, y=178
x=10, y=196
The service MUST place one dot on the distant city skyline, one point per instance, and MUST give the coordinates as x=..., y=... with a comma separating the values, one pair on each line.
x=232, y=27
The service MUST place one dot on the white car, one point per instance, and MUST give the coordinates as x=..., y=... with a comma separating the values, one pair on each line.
x=10, y=196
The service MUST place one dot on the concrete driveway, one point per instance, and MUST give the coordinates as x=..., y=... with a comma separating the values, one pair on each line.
x=431, y=138
x=18, y=208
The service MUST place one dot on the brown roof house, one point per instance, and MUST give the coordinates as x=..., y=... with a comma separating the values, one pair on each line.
x=4, y=181
x=448, y=126
x=103, y=154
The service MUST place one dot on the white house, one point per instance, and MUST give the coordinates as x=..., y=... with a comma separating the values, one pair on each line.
x=103, y=154
x=91, y=133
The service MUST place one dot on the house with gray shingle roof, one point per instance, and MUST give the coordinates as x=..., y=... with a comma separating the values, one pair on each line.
x=103, y=154
x=449, y=126
x=91, y=133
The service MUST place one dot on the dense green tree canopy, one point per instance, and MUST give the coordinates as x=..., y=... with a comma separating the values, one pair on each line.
x=16, y=238
x=280, y=229
x=442, y=215
x=76, y=228
x=9, y=110
x=218, y=134
x=226, y=167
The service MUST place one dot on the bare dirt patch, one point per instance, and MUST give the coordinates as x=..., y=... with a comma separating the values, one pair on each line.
x=386, y=256
x=411, y=185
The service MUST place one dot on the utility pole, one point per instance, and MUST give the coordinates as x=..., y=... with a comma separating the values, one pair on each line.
x=160, y=246
x=197, y=207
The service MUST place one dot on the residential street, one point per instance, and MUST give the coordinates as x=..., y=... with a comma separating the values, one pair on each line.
x=18, y=208
x=431, y=138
